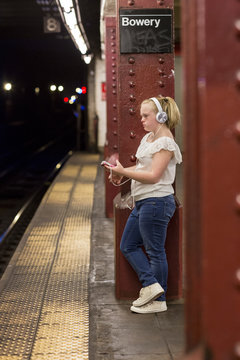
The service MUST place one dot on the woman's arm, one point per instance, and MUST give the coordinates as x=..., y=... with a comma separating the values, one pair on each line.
x=160, y=162
x=131, y=168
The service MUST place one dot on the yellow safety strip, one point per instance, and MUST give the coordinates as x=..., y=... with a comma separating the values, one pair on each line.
x=44, y=310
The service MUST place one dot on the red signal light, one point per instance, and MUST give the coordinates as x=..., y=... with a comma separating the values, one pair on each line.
x=84, y=90
x=65, y=99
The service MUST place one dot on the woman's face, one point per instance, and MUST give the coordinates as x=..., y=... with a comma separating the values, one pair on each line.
x=148, y=117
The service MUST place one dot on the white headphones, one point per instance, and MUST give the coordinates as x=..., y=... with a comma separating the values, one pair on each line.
x=161, y=116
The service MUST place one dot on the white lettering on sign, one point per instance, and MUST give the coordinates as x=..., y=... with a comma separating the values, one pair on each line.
x=140, y=22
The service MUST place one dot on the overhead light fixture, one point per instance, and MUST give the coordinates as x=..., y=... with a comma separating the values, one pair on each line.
x=66, y=4
x=78, y=90
x=37, y=90
x=7, y=86
x=70, y=19
x=87, y=58
x=70, y=13
x=53, y=87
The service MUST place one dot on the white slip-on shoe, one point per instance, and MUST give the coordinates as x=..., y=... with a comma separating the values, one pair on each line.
x=148, y=293
x=150, y=308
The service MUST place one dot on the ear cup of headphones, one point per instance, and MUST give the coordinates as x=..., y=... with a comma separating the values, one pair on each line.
x=161, y=117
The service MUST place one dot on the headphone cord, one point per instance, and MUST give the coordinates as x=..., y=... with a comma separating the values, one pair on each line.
x=117, y=184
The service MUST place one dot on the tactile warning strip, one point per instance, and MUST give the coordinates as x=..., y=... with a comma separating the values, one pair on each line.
x=44, y=312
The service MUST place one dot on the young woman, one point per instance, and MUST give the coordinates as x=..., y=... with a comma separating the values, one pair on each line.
x=152, y=191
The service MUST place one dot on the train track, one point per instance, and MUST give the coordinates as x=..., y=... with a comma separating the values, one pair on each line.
x=21, y=193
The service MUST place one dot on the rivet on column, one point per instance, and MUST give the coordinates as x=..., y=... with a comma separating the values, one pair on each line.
x=115, y=119
x=161, y=60
x=115, y=147
x=133, y=158
x=161, y=72
x=131, y=60
x=237, y=129
x=131, y=72
x=132, y=98
x=237, y=350
x=114, y=106
x=238, y=78
x=132, y=84
x=161, y=83
x=132, y=135
x=237, y=201
x=237, y=26
x=132, y=111
x=131, y=2
x=237, y=278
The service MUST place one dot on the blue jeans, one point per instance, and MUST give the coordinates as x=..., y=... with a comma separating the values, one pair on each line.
x=147, y=226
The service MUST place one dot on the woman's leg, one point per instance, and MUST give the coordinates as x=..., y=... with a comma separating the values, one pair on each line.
x=154, y=217
x=131, y=247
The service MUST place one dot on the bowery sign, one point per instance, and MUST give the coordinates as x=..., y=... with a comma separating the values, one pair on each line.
x=146, y=31
x=140, y=22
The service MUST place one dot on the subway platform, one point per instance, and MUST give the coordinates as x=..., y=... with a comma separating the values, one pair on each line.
x=57, y=296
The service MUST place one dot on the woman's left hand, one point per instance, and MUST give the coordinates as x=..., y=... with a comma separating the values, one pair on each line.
x=118, y=169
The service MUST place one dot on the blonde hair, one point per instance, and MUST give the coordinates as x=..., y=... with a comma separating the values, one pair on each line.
x=170, y=107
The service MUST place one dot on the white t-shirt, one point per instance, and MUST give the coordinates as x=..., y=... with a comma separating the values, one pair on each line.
x=144, y=157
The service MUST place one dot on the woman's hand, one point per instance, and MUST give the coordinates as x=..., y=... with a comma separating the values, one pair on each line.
x=114, y=177
x=116, y=170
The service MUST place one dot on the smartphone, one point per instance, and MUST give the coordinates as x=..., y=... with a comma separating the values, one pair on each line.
x=106, y=163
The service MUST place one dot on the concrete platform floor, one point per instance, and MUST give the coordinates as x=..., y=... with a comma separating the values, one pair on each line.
x=116, y=332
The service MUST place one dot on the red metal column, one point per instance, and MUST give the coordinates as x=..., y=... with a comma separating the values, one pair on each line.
x=111, y=146
x=211, y=56
x=191, y=167
x=141, y=76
